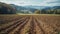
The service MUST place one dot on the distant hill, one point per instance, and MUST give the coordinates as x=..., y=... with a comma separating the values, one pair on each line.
x=32, y=9
x=19, y=8
x=6, y=9
x=52, y=10
x=37, y=7
x=54, y=7
x=13, y=9
x=43, y=7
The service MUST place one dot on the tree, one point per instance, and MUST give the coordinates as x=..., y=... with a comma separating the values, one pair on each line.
x=57, y=11
x=6, y=9
x=37, y=12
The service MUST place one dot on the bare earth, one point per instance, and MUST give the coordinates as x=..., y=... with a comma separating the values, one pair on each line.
x=29, y=24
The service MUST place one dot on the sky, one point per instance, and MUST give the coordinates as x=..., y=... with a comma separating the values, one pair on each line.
x=33, y=2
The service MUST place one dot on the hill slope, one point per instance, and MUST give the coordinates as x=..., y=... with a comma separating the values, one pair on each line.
x=6, y=9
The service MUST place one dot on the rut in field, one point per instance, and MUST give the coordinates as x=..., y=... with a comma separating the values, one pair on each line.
x=27, y=25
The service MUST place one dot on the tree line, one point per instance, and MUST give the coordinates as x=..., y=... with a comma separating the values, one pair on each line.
x=51, y=11
x=6, y=9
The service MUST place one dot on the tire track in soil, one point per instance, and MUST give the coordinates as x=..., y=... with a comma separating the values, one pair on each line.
x=45, y=27
x=13, y=23
x=32, y=26
x=10, y=24
x=53, y=24
x=18, y=31
x=40, y=27
x=25, y=29
x=37, y=28
x=6, y=31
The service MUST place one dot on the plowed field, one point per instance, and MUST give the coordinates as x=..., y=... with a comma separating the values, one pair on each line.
x=29, y=24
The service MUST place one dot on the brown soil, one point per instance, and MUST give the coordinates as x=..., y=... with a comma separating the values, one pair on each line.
x=29, y=24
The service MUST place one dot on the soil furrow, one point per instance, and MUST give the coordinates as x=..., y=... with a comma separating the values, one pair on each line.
x=12, y=27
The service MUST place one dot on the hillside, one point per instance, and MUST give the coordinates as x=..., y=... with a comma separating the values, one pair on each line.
x=6, y=9
x=22, y=9
x=43, y=9
x=13, y=9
